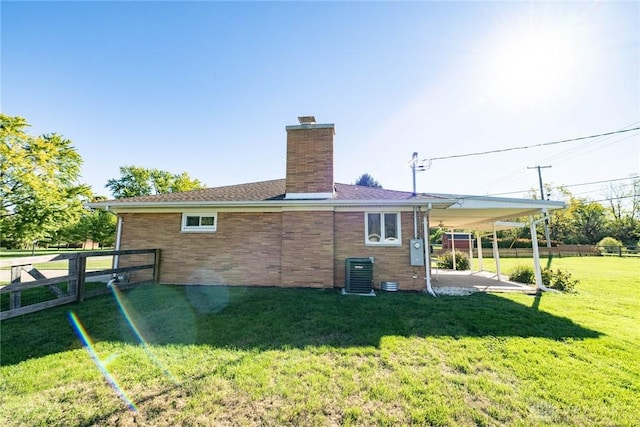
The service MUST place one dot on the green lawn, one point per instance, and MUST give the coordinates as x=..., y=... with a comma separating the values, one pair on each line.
x=256, y=356
x=93, y=262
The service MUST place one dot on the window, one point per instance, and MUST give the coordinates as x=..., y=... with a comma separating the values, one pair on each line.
x=382, y=228
x=199, y=222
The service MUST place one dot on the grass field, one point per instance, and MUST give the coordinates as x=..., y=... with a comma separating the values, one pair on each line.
x=256, y=356
x=94, y=262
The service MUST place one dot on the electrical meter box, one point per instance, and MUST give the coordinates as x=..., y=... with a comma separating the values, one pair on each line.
x=417, y=252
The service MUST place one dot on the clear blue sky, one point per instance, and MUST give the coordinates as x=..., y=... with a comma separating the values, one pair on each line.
x=208, y=87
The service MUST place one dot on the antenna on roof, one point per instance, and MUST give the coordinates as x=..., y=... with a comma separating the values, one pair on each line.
x=415, y=167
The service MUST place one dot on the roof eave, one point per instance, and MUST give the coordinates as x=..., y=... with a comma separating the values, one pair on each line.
x=125, y=206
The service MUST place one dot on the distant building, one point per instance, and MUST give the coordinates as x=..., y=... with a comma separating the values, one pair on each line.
x=459, y=241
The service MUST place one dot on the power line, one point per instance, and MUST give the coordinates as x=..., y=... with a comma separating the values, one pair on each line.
x=570, y=185
x=571, y=153
x=600, y=182
x=544, y=144
x=614, y=198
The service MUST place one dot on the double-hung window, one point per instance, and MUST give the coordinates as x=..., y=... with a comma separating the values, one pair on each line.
x=382, y=228
x=199, y=222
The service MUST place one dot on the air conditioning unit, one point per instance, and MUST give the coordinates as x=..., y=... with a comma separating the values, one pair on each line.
x=358, y=275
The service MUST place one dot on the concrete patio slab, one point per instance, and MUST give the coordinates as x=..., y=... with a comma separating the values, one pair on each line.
x=449, y=282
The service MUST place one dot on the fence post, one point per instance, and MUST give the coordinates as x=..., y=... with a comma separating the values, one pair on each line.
x=80, y=274
x=15, y=297
x=156, y=266
x=620, y=251
x=72, y=285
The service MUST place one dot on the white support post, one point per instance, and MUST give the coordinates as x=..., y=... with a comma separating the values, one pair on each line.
x=496, y=252
x=453, y=248
x=479, y=243
x=536, y=254
x=470, y=251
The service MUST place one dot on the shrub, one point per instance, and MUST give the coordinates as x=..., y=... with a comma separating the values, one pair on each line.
x=446, y=261
x=609, y=245
x=562, y=281
x=522, y=274
x=555, y=279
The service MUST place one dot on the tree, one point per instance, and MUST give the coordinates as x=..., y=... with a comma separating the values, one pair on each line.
x=138, y=181
x=39, y=189
x=624, y=207
x=97, y=226
x=589, y=219
x=367, y=180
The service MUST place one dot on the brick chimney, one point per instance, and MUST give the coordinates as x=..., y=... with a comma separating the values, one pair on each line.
x=309, y=160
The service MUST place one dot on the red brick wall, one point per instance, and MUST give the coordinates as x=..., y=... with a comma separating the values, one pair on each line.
x=307, y=249
x=291, y=248
x=245, y=250
x=310, y=160
x=391, y=263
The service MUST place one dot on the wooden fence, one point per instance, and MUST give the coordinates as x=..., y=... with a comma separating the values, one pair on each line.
x=76, y=278
x=555, y=251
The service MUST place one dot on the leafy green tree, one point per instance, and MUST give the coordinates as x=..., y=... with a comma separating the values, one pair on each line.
x=589, y=219
x=39, y=188
x=98, y=226
x=367, y=180
x=138, y=181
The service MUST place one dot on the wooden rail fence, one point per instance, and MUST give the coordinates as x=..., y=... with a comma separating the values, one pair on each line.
x=75, y=279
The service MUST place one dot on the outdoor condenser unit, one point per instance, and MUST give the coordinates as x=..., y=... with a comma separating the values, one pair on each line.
x=358, y=275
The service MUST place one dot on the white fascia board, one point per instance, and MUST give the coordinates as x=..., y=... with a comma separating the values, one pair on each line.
x=483, y=202
x=265, y=206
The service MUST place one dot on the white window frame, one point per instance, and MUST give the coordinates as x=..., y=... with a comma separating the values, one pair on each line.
x=383, y=240
x=199, y=228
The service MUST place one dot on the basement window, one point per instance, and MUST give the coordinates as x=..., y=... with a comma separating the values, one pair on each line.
x=199, y=222
x=382, y=228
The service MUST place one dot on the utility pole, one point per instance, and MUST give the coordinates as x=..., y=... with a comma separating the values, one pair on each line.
x=546, y=221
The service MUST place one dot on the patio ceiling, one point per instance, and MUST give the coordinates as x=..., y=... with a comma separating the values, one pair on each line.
x=481, y=213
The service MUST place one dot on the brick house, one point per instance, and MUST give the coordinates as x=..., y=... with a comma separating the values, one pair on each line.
x=299, y=230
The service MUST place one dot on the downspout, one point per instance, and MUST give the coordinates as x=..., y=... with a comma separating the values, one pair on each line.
x=427, y=252
x=116, y=257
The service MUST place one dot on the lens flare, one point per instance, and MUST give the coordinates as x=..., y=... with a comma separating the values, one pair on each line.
x=88, y=345
x=117, y=294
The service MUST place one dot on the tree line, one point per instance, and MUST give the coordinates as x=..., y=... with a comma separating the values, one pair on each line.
x=43, y=202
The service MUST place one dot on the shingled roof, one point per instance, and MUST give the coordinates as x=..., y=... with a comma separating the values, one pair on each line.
x=266, y=191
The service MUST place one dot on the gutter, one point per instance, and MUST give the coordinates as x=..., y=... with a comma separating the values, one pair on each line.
x=123, y=206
